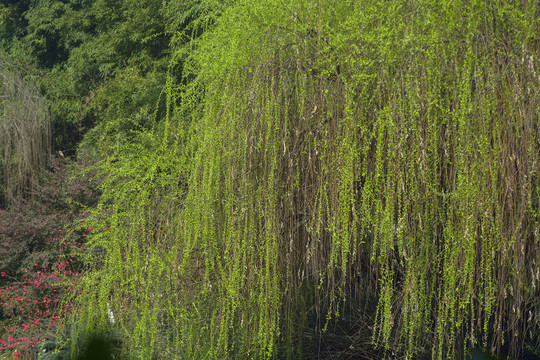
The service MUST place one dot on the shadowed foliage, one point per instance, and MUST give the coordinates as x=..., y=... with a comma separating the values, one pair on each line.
x=72, y=344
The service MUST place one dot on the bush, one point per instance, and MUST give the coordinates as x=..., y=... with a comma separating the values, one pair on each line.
x=40, y=262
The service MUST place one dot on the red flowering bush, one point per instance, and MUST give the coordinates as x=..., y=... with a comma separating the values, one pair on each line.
x=40, y=265
x=32, y=308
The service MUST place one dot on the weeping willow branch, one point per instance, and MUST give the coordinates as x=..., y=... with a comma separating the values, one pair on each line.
x=339, y=152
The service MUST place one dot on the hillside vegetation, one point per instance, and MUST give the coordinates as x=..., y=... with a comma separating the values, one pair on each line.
x=305, y=179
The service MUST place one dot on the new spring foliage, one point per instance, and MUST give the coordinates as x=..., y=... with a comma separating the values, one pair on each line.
x=314, y=143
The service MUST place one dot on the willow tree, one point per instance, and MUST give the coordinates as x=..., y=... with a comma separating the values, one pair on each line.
x=25, y=132
x=324, y=153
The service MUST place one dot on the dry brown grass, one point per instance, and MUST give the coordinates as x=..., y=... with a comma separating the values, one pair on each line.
x=25, y=133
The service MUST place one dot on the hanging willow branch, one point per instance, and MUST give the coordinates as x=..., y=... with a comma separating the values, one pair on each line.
x=339, y=152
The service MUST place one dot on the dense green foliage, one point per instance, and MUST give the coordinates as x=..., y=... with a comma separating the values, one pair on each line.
x=275, y=167
x=105, y=61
